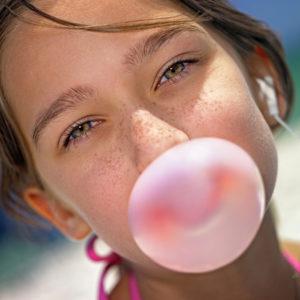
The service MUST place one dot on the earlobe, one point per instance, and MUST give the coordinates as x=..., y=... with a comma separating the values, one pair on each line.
x=68, y=222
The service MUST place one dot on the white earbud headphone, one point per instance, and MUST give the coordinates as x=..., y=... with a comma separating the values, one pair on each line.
x=268, y=90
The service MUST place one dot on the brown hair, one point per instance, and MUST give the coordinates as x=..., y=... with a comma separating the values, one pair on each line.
x=245, y=34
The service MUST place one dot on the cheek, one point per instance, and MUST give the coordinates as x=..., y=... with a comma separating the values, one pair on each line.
x=98, y=188
x=225, y=108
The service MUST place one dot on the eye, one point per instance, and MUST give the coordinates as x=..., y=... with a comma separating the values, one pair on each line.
x=79, y=131
x=175, y=71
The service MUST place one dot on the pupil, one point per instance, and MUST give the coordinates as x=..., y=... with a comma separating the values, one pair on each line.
x=81, y=129
x=176, y=69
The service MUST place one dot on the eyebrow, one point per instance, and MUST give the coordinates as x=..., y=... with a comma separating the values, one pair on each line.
x=151, y=44
x=134, y=56
x=66, y=101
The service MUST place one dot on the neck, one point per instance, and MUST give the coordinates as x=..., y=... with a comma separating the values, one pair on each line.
x=260, y=273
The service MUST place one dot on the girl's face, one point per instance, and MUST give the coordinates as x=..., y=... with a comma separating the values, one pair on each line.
x=97, y=108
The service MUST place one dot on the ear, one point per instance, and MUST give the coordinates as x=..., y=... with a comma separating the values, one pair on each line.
x=260, y=66
x=68, y=222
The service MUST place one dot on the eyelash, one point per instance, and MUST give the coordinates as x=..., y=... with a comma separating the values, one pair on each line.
x=67, y=137
x=173, y=63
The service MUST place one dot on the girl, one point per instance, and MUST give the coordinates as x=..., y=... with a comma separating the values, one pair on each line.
x=94, y=91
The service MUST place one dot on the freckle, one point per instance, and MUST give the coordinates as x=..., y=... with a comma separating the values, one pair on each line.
x=216, y=107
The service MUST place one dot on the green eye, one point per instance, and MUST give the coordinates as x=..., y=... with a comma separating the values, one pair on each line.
x=81, y=130
x=78, y=131
x=176, y=71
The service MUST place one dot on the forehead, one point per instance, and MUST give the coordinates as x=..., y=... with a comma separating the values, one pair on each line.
x=108, y=11
x=83, y=12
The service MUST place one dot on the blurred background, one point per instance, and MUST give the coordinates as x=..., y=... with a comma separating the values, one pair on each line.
x=42, y=265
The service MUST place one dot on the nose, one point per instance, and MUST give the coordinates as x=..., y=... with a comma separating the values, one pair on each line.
x=152, y=136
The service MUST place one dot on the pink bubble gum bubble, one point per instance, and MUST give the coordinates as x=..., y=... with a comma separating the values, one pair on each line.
x=198, y=206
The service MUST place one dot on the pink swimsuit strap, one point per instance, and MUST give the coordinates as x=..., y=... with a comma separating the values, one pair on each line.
x=292, y=261
x=111, y=260
x=133, y=286
x=114, y=259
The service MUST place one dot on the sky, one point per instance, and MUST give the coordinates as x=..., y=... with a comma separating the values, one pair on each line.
x=282, y=15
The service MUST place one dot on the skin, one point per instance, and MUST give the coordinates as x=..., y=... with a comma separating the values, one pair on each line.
x=87, y=186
